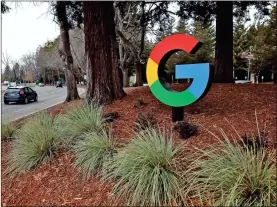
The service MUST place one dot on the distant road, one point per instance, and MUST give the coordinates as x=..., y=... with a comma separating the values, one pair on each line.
x=47, y=96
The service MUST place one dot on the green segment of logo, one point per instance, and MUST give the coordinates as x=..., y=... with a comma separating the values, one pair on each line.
x=172, y=98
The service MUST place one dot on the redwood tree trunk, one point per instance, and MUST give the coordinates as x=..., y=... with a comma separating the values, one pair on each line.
x=103, y=78
x=72, y=92
x=224, y=43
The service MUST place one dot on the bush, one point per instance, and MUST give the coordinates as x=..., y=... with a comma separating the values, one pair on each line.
x=35, y=142
x=256, y=141
x=229, y=175
x=110, y=117
x=145, y=169
x=94, y=153
x=145, y=122
x=7, y=131
x=79, y=121
x=185, y=129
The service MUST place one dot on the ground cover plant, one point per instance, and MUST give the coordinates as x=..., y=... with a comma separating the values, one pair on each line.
x=36, y=142
x=94, y=153
x=228, y=174
x=144, y=170
x=7, y=131
x=77, y=122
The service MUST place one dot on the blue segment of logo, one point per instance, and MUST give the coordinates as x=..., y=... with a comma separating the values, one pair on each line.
x=198, y=72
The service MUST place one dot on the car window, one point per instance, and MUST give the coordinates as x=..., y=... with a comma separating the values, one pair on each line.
x=12, y=90
x=26, y=90
x=31, y=90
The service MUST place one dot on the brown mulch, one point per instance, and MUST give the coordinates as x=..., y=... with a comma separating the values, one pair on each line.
x=58, y=183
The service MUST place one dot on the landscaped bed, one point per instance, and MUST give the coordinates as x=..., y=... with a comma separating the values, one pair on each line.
x=59, y=183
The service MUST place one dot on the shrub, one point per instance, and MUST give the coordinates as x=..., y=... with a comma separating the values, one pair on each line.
x=229, y=175
x=94, y=153
x=35, y=142
x=7, y=131
x=185, y=129
x=79, y=121
x=144, y=122
x=145, y=169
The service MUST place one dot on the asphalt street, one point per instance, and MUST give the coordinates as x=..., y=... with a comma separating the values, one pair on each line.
x=47, y=96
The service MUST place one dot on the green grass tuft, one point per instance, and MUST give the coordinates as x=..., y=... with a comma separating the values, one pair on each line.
x=35, y=142
x=228, y=174
x=79, y=121
x=144, y=170
x=94, y=153
x=7, y=131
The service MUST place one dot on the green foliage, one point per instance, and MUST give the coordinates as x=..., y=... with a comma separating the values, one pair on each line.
x=242, y=44
x=35, y=142
x=7, y=131
x=204, y=33
x=231, y=175
x=145, y=170
x=145, y=121
x=79, y=121
x=94, y=153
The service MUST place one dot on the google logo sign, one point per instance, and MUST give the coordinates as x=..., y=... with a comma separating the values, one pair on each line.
x=200, y=73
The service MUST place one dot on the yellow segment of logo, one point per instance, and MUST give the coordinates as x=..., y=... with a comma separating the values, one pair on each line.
x=151, y=72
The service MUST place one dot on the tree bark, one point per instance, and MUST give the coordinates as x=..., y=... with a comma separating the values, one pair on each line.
x=72, y=92
x=125, y=78
x=104, y=82
x=224, y=43
x=139, y=81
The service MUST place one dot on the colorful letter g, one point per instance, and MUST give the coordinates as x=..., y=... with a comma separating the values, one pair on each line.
x=200, y=73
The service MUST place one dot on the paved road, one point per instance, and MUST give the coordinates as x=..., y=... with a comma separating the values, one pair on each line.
x=47, y=96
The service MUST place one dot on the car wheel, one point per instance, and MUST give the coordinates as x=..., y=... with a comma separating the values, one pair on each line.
x=36, y=99
x=26, y=101
x=6, y=102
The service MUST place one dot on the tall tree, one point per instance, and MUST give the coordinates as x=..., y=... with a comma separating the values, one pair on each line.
x=223, y=11
x=4, y=7
x=104, y=84
x=62, y=18
x=16, y=71
x=8, y=73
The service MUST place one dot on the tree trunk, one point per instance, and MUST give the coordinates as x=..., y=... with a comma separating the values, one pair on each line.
x=139, y=81
x=103, y=76
x=125, y=78
x=224, y=42
x=72, y=92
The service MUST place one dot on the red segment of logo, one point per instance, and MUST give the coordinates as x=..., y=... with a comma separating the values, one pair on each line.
x=173, y=42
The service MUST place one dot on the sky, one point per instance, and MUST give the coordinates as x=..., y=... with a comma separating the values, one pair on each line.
x=25, y=28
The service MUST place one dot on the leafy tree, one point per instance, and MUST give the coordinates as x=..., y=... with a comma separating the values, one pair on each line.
x=241, y=45
x=16, y=71
x=202, y=32
x=8, y=73
x=223, y=12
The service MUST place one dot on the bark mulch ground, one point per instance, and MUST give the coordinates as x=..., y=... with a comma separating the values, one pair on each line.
x=58, y=183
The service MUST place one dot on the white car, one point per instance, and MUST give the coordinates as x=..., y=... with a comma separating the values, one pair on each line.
x=41, y=85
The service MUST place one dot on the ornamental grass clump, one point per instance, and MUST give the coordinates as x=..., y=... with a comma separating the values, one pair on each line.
x=227, y=174
x=79, y=121
x=7, y=131
x=144, y=170
x=94, y=153
x=36, y=141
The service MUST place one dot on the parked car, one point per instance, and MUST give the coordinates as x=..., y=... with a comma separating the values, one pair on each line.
x=59, y=84
x=41, y=85
x=20, y=94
